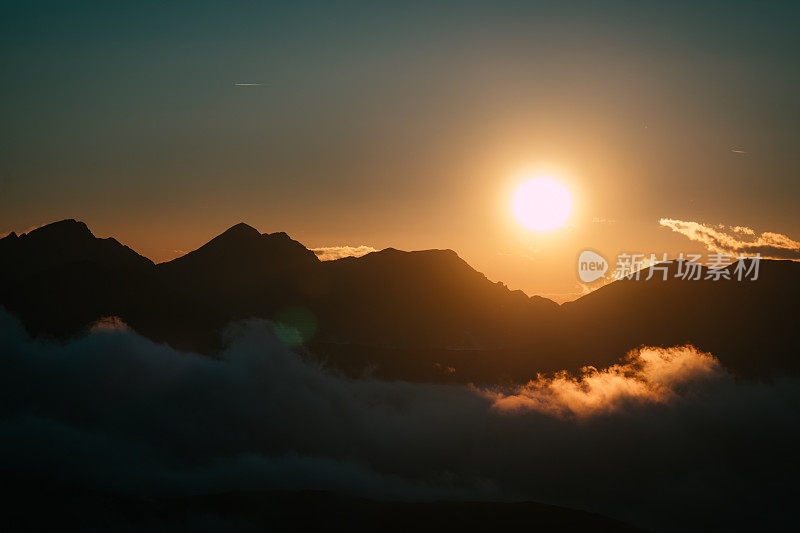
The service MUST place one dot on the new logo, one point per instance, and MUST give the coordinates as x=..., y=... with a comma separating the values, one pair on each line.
x=591, y=266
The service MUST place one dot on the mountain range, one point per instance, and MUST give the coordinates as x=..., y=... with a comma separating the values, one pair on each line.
x=421, y=316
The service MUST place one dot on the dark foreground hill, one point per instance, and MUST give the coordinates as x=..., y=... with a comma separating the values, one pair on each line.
x=75, y=508
x=423, y=315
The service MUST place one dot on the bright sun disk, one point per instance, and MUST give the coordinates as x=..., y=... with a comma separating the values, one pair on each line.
x=542, y=204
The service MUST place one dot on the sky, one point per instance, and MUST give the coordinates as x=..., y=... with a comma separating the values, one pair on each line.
x=404, y=124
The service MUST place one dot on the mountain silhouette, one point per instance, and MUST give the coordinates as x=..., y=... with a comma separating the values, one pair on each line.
x=72, y=506
x=62, y=243
x=750, y=324
x=429, y=297
x=244, y=272
x=60, y=278
x=241, y=251
x=421, y=315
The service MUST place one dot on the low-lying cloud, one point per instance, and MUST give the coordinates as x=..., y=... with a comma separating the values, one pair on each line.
x=648, y=376
x=330, y=253
x=769, y=245
x=666, y=439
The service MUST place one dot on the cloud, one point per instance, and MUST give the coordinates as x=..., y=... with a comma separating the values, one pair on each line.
x=330, y=253
x=769, y=245
x=667, y=439
x=743, y=229
x=649, y=375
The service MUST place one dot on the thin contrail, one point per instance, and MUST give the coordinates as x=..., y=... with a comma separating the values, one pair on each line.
x=249, y=84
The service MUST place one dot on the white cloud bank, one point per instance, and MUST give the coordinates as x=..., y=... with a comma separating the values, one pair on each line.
x=665, y=440
x=330, y=253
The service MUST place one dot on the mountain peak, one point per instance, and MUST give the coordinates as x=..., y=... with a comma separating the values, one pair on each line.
x=241, y=229
x=235, y=237
x=434, y=255
x=60, y=243
x=240, y=249
x=63, y=228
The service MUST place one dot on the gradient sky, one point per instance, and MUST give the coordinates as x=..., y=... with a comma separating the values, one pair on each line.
x=402, y=124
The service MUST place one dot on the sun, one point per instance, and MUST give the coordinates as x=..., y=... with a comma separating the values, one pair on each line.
x=542, y=204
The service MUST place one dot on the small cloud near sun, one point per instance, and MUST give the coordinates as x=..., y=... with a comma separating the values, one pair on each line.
x=770, y=245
